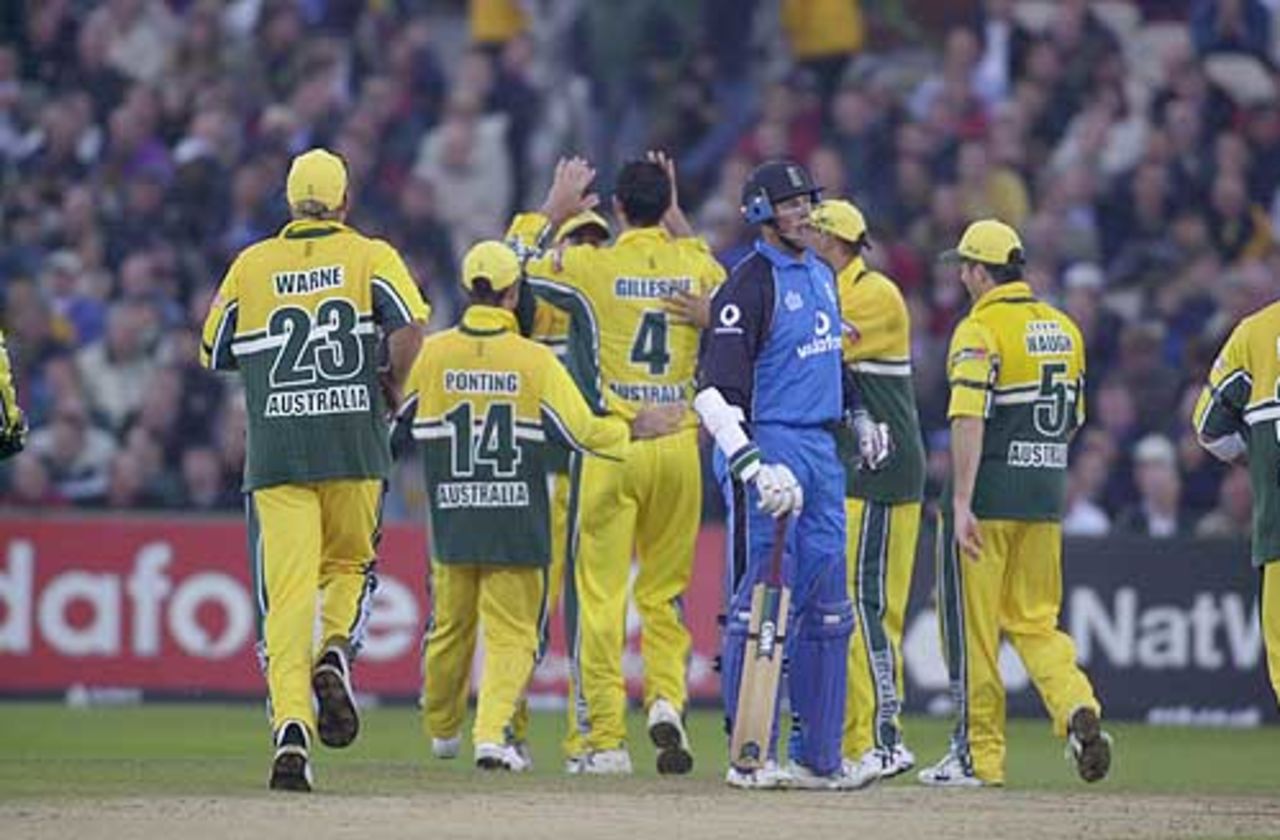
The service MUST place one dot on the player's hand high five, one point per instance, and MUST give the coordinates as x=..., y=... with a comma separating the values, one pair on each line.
x=568, y=194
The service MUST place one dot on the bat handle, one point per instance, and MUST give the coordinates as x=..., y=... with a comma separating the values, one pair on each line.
x=779, y=546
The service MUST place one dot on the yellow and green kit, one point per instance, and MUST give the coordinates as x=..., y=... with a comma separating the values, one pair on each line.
x=1017, y=363
x=299, y=316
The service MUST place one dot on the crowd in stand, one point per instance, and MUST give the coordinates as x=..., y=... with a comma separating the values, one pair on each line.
x=143, y=143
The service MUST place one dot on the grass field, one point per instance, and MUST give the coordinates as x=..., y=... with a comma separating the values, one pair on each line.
x=57, y=762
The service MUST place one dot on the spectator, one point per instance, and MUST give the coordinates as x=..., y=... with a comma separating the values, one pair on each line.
x=1157, y=512
x=204, y=483
x=1084, y=517
x=1151, y=382
x=117, y=370
x=30, y=485
x=988, y=191
x=1233, y=517
x=1231, y=26
x=824, y=35
x=75, y=453
x=1239, y=229
x=466, y=159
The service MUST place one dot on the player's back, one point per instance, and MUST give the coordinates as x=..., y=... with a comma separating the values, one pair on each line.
x=306, y=343
x=1035, y=401
x=479, y=418
x=645, y=354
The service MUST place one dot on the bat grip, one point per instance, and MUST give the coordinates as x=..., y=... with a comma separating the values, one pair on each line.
x=779, y=546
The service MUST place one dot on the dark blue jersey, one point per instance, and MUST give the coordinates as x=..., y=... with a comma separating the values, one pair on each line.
x=773, y=348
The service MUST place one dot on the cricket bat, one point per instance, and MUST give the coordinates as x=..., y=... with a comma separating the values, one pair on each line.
x=762, y=663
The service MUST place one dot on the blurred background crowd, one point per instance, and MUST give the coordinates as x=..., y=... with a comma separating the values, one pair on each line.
x=1136, y=145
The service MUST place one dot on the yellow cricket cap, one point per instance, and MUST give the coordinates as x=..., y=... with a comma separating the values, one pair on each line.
x=839, y=218
x=492, y=260
x=586, y=218
x=987, y=241
x=317, y=175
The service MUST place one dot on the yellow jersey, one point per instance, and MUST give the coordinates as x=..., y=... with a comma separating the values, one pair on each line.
x=486, y=403
x=632, y=352
x=1018, y=363
x=1243, y=396
x=876, y=348
x=300, y=316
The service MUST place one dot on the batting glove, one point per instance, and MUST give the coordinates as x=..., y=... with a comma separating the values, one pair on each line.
x=780, y=493
x=875, y=445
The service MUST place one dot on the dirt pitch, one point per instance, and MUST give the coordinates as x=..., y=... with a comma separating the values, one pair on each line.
x=664, y=811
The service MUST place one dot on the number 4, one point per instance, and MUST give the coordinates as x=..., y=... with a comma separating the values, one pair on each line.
x=650, y=345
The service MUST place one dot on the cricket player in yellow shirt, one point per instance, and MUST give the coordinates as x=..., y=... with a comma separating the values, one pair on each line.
x=300, y=315
x=1237, y=418
x=553, y=327
x=13, y=424
x=640, y=354
x=1016, y=368
x=883, y=489
x=487, y=404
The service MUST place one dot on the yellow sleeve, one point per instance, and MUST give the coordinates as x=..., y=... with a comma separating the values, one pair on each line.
x=553, y=272
x=220, y=324
x=1220, y=409
x=565, y=409
x=882, y=314
x=397, y=301
x=10, y=416
x=971, y=370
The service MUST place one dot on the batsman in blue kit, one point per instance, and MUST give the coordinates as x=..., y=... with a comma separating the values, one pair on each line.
x=770, y=391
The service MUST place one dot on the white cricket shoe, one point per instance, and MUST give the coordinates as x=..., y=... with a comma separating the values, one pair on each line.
x=607, y=763
x=871, y=766
x=898, y=761
x=850, y=776
x=446, y=747
x=573, y=764
x=951, y=771
x=768, y=777
x=522, y=750
x=499, y=757
x=666, y=731
x=886, y=761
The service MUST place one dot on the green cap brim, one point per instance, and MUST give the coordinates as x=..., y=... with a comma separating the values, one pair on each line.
x=951, y=257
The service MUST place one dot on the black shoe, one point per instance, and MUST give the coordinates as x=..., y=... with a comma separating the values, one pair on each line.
x=338, y=721
x=1089, y=746
x=291, y=769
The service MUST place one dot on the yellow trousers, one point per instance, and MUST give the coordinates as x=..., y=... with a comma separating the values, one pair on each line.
x=509, y=604
x=304, y=539
x=1271, y=621
x=561, y=491
x=881, y=541
x=1013, y=587
x=652, y=501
